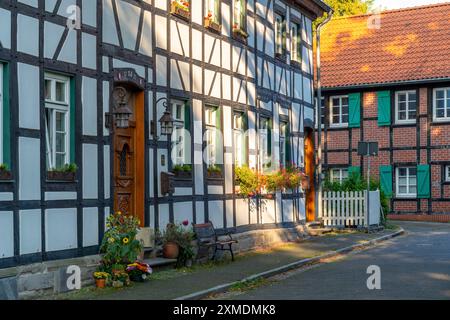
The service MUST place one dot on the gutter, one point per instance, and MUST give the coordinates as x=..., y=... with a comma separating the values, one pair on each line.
x=318, y=197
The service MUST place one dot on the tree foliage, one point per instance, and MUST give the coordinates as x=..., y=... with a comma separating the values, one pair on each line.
x=347, y=8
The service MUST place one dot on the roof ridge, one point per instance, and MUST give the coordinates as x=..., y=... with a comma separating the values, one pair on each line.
x=394, y=10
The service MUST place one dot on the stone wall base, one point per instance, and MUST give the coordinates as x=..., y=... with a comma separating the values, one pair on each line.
x=444, y=218
x=40, y=279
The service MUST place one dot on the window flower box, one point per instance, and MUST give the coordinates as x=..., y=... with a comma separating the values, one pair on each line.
x=280, y=56
x=5, y=174
x=210, y=24
x=240, y=34
x=60, y=176
x=181, y=9
x=182, y=172
x=214, y=172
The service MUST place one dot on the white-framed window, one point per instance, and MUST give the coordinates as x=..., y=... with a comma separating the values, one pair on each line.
x=179, y=134
x=447, y=173
x=239, y=14
x=279, y=34
x=295, y=42
x=264, y=144
x=212, y=9
x=338, y=174
x=338, y=111
x=212, y=131
x=441, y=104
x=57, y=124
x=1, y=113
x=405, y=106
x=406, y=182
x=238, y=139
x=283, y=143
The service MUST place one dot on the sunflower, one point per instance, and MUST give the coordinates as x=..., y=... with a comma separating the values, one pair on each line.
x=125, y=240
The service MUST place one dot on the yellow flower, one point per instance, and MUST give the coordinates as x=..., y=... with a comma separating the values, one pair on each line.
x=119, y=212
x=111, y=240
x=125, y=240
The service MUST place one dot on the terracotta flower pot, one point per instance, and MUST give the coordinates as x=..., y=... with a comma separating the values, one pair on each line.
x=100, y=283
x=171, y=250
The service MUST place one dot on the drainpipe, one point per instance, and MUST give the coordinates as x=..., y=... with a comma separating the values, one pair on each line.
x=319, y=117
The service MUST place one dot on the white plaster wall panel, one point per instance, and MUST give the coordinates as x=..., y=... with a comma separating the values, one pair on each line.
x=179, y=38
x=259, y=36
x=60, y=229
x=308, y=35
x=302, y=209
x=288, y=211
x=105, y=64
x=109, y=24
x=151, y=191
x=152, y=217
x=107, y=170
x=261, y=8
x=197, y=108
x=182, y=191
x=106, y=94
x=228, y=173
x=67, y=8
x=295, y=13
x=226, y=86
x=298, y=86
x=229, y=213
x=242, y=212
x=307, y=90
x=30, y=231
x=215, y=190
x=89, y=12
x=89, y=102
x=90, y=171
x=243, y=94
x=52, y=196
x=251, y=90
x=215, y=211
x=6, y=234
x=270, y=44
x=295, y=117
x=237, y=57
x=280, y=4
x=268, y=211
x=89, y=52
x=163, y=216
x=129, y=23
x=90, y=227
x=251, y=65
x=227, y=127
x=175, y=77
x=212, y=50
x=28, y=35
x=196, y=12
x=146, y=45
x=226, y=20
x=161, y=4
x=283, y=111
x=239, y=90
x=252, y=132
x=198, y=79
x=305, y=60
x=210, y=83
x=68, y=51
x=28, y=96
x=50, y=5
x=288, y=77
x=251, y=31
x=140, y=70
x=33, y=3
x=5, y=28
x=226, y=61
x=182, y=211
x=6, y=196
x=161, y=70
x=250, y=5
x=161, y=168
x=197, y=37
x=185, y=74
x=276, y=137
x=161, y=32
x=52, y=37
x=29, y=169
x=301, y=149
x=200, y=212
x=309, y=113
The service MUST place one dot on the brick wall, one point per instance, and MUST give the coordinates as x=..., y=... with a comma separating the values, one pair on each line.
x=399, y=144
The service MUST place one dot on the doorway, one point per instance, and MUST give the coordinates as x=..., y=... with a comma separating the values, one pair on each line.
x=129, y=155
x=310, y=171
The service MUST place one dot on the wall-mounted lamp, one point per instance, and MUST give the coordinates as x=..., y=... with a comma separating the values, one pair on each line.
x=166, y=121
x=121, y=111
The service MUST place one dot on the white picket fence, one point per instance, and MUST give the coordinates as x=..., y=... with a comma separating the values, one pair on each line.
x=347, y=209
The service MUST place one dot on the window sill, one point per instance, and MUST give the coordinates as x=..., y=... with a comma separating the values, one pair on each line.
x=407, y=197
x=405, y=122
x=339, y=126
x=179, y=12
x=240, y=35
x=296, y=64
x=209, y=24
x=445, y=120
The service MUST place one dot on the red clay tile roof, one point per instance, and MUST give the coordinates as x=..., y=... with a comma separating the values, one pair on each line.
x=411, y=44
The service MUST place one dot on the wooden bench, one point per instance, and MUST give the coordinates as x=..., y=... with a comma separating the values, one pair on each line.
x=207, y=238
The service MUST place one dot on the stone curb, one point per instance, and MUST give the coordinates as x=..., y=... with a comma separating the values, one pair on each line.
x=270, y=273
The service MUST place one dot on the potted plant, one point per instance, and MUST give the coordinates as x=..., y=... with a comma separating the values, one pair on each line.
x=210, y=23
x=170, y=239
x=5, y=174
x=183, y=171
x=138, y=271
x=186, y=237
x=239, y=34
x=247, y=180
x=177, y=243
x=214, y=172
x=120, y=279
x=180, y=8
x=100, y=279
x=66, y=173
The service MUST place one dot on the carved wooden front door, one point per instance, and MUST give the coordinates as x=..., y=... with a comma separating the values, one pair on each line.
x=129, y=157
x=309, y=170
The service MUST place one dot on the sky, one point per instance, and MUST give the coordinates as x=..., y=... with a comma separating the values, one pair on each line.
x=395, y=4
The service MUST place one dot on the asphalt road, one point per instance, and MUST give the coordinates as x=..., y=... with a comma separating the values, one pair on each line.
x=413, y=266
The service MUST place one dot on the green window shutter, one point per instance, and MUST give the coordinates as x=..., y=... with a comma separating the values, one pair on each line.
x=423, y=181
x=384, y=108
x=187, y=127
x=244, y=139
x=288, y=145
x=386, y=180
x=354, y=109
x=269, y=137
x=219, y=142
x=187, y=116
x=72, y=114
x=354, y=170
x=6, y=118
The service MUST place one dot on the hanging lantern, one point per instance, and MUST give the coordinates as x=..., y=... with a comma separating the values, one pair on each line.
x=166, y=122
x=122, y=116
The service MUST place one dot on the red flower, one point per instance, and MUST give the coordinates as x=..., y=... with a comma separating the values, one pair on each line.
x=185, y=223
